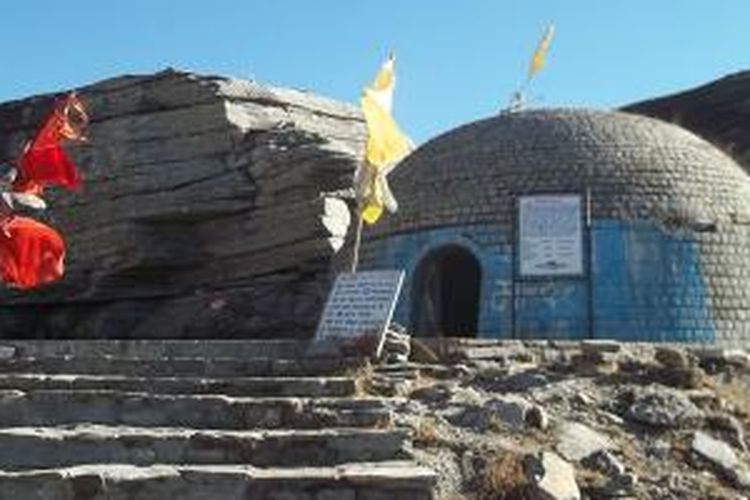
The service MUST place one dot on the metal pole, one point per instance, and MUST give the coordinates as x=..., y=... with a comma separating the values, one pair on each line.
x=513, y=264
x=357, y=242
x=590, y=258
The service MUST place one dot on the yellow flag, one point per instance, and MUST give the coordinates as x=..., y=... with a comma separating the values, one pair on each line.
x=386, y=145
x=537, y=60
x=381, y=89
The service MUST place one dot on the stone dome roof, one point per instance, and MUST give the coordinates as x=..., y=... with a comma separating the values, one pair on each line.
x=636, y=168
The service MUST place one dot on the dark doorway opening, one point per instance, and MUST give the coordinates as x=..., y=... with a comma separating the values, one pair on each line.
x=445, y=294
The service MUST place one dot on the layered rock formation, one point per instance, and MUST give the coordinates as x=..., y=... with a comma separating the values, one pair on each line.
x=205, y=213
x=718, y=111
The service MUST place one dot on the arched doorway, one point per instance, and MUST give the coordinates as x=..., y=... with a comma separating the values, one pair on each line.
x=445, y=293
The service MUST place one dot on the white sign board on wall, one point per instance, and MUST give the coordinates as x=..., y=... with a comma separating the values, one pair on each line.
x=360, y=306
x=550, y=235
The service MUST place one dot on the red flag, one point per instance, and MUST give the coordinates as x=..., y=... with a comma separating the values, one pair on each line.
x=43, y=160
x=31, y=253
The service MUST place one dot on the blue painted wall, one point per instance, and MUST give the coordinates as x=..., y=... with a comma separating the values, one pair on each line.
x=485, y=243
x=647, y=284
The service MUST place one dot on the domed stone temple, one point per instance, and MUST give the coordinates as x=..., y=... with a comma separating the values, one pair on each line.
x=568, y=224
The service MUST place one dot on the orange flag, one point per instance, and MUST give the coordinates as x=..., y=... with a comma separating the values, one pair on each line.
x=31, y=253
x=540, y=54
x=43, y=160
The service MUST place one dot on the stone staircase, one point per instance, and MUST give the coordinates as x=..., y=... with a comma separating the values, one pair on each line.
x=190, y=420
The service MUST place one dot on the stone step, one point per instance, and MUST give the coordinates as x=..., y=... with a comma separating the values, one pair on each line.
x=157, y=349
x=49, y=447
x=183, y=367
x=241, y=386
x=49, y=408
x=360, y=481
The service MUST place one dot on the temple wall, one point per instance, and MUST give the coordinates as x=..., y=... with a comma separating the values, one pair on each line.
x=647, y=284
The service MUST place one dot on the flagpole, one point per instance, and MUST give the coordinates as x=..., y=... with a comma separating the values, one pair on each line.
x=357, y=241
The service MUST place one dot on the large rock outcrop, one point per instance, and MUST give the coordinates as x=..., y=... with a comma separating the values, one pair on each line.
x=718, y=111
x=206, y=210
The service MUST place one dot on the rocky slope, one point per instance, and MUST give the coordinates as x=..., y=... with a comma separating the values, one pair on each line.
x=204, y=212
x=454, y=419
x=557, y=420
x=718, y=111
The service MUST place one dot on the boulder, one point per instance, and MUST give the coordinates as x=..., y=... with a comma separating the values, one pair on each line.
x=209, y=209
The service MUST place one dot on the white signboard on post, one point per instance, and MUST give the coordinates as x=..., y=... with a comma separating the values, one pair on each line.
x=550, y=235
x=360, y=307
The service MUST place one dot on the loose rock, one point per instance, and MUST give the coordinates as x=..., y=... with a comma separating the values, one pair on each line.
x=717, y=452
x=552, y=478
x=510, y=410
x=536, y=417
x=576, y=441
x=672, y=357
x=660, y=406
x=605, y=462
x=621, y=485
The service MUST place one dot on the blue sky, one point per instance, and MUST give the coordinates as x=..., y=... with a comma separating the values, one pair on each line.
x=457, y=60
